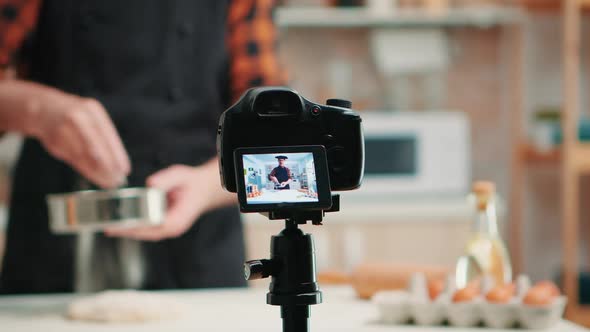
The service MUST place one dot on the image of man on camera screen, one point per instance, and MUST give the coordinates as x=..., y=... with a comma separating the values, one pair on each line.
x=281, y=175
x=266, y=182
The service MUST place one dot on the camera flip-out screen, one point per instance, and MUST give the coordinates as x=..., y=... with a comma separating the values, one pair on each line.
x=282, y=178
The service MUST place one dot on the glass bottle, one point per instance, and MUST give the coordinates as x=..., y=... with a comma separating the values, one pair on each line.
x=486, y=247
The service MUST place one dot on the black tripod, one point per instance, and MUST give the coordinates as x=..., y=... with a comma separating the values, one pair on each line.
x=292, y=267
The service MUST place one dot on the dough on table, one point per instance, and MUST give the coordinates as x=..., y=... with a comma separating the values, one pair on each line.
x=127, y=306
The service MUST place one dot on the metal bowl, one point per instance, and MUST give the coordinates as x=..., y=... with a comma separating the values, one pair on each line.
x=94, y=210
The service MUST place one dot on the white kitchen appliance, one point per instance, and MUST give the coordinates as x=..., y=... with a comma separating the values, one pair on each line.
x=416, y=153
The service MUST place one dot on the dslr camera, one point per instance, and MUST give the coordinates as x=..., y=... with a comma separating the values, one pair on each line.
x=280, y=151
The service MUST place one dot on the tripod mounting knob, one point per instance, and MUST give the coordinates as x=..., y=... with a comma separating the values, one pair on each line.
x=258, y=269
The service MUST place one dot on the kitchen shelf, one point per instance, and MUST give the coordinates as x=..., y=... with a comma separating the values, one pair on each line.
x=551, y=5
x=361, y=17
x=573, y=157
x=531, y=155
x=580, y=157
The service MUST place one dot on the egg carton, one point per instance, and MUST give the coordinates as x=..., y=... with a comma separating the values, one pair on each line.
x=414, y=305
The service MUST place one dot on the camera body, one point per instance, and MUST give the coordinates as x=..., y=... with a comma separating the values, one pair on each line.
x=279, y=116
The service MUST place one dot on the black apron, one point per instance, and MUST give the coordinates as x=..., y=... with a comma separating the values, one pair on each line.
x=160, y=69
x=282, y=175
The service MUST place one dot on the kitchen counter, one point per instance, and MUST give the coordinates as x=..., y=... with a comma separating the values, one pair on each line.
x=285, y=195
x=216, y=310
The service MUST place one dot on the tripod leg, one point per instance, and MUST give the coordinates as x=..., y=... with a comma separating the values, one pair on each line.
x=295, y=318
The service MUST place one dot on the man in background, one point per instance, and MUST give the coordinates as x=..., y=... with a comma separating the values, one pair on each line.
x=113, y=90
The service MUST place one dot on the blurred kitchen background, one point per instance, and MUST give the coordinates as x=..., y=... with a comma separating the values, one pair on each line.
x=451, y=91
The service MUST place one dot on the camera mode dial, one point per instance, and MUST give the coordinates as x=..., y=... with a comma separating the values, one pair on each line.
x=339, y=103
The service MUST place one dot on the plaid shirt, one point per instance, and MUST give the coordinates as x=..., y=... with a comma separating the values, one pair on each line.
x=251, y=40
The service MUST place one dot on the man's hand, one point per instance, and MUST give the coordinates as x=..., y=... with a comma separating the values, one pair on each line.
x=283, y=184
x=192, y=191
x=74, y=129
x=80, y=132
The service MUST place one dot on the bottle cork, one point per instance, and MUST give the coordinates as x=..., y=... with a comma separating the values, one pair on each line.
x=484, y=191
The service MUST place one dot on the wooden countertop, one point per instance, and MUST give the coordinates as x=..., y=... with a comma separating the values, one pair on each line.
x=217, y=310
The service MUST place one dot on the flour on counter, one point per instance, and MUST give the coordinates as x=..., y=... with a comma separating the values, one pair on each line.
x=126, y=306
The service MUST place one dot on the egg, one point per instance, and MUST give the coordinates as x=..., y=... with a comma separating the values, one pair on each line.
x=549, y=286
x=475, y=284
x=500, y=294
x=539, y=296
x=466, y=294
x=435, y=287
x=511, y=288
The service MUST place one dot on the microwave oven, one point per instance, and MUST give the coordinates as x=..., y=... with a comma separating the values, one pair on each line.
x=416, y=153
